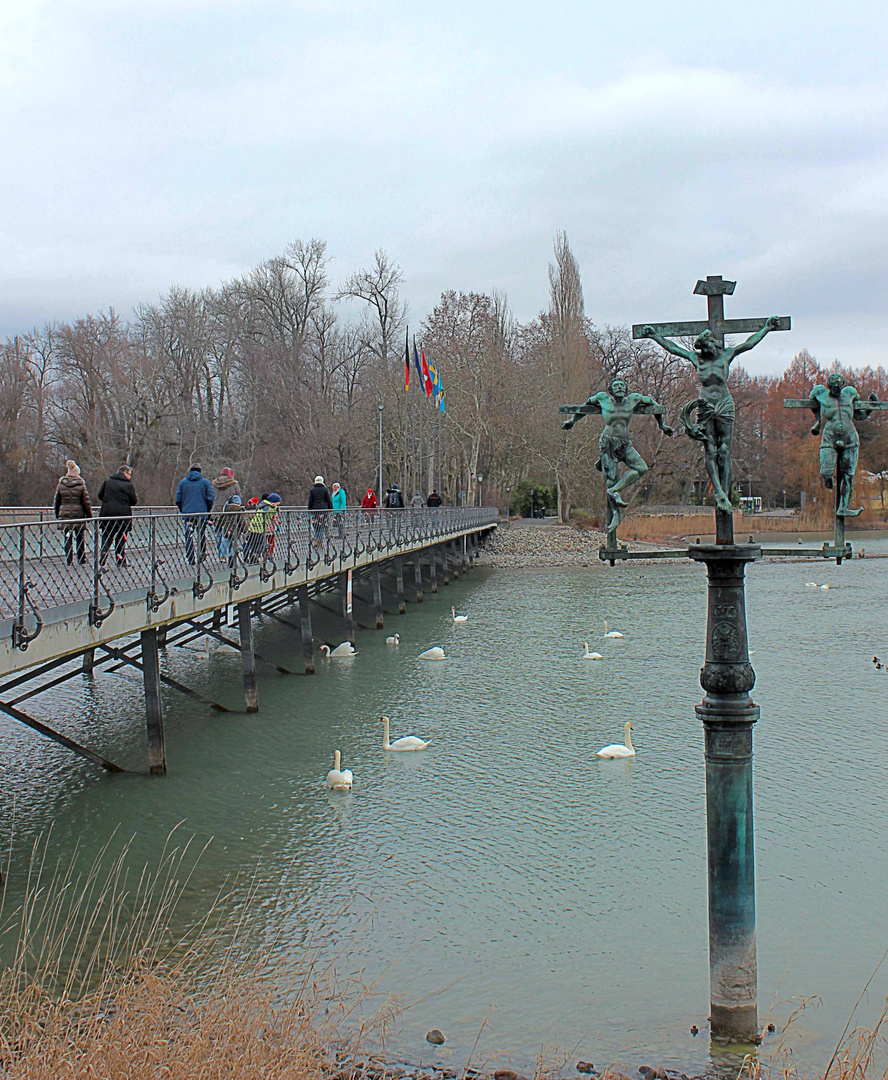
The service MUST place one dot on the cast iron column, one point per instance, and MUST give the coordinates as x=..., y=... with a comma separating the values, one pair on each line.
x=417, y=576
x=399, y=582
x=728, y=714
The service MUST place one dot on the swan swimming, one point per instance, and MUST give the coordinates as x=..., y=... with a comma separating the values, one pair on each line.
x=435, y=653
x=339, y=779
x=591, y=655
x=824, y=586
x=612, y=633
x=394, y=639
x=408, y=742
x=344, y=649
x=458, y=618
x=619, y=750
x=810, y=584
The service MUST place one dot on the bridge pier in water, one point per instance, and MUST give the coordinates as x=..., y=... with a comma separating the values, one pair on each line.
x=248, y=656
x=417, y=576
x=399, y=582
x=153, y=702
x=377, y=597
x=305, y=625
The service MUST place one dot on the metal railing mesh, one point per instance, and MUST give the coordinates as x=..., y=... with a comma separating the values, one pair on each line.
x=46, y=563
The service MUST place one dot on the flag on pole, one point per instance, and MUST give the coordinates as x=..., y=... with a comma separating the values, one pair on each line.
x=437, y=386
x=407, y=362
x=426, y=377
x=417, y=364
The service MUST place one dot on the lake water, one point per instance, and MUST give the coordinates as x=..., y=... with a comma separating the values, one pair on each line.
x=506, y=874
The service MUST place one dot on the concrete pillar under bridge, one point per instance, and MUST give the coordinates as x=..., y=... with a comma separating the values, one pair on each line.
x=153, y=703
x=728, y=715
x=417, y=575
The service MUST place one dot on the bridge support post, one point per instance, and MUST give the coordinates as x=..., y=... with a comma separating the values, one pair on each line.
x=445, y=569
x=399, y=582
x=417, y=576
x=433, y=570
x=89, y=661
x=377, y=596
x=248, y=657
x=307, y=639
x=153, y=703
x=454, y=566
x=347, y=610
x=463, y=556
x=217, y=619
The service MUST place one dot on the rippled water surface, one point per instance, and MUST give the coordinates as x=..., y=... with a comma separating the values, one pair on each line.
x=507, y=873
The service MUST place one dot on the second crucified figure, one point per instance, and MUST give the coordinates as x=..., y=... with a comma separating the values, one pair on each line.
x=714, y=426
x=617, y=406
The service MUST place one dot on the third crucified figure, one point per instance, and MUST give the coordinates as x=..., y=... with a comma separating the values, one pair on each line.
x=714, y=425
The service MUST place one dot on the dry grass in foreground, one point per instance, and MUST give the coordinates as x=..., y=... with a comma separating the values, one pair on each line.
x=100, y=986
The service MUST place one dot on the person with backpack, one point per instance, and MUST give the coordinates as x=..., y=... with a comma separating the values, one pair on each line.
x=230, y=528
x=394, y=500
x=261, y=526
x=319, y=502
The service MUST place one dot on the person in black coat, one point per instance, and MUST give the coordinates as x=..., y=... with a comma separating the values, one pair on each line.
x=319, y=501
x=118, y=497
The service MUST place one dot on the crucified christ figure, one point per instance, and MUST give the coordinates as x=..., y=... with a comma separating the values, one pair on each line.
x=714, y=424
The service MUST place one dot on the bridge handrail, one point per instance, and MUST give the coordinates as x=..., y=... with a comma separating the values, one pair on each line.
x=48, y=563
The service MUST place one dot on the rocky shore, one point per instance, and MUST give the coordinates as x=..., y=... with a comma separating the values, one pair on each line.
x=378, y=1070
x=545, y=544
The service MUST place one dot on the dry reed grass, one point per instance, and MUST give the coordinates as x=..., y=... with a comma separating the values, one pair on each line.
x=100, y=984
x=659, y=527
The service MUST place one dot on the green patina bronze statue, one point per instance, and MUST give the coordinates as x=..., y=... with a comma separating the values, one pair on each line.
x=714, y=422
x=834, y=407
x=617, y=406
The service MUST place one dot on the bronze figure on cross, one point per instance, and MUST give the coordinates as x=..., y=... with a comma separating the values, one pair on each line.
x=713, y=422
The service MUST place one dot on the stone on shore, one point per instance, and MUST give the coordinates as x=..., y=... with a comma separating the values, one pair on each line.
x=435, y=1037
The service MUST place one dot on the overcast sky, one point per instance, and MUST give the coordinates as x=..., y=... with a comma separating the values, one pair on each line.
x=182, y=141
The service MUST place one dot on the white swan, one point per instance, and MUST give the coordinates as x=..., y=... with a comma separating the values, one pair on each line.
x=435, y=653
x=824, y=586
x=618, y=750
x=591, y=655
x=612, y=633
x=344, y=649
x=810, y=584
x=394, y=639
x=458, y=618
x=339, y=779
x=408, y=742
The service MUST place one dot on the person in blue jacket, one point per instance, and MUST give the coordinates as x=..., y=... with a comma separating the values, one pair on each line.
x=194, y=498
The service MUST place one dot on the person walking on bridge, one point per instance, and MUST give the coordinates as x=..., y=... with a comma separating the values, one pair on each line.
x=195, y=496
x=319, y=502
x=225, y=487
x=337, y=497
x=260, y=530
x=118, y=497
x=71, y=507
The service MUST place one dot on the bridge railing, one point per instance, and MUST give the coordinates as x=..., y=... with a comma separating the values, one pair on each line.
x=48, y=563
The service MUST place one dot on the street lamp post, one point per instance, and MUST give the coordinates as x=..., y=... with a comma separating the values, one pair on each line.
x=480, y=478
x=784, y=498
x=379, y=492
x=508, y=503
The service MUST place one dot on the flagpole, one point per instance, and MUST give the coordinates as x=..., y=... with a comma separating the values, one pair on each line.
x=406, y=395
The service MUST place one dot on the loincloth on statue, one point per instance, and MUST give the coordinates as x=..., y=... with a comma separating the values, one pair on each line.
x=707, y=413
x=847, y=439
x=614, y=446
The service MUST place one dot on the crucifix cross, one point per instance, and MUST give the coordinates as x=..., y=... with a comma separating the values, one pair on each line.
x=715, y=289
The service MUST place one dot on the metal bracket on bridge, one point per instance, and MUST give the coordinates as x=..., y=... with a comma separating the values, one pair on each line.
x=264, y=573
x=152, y=599
x=22, y=638
x=96, y=615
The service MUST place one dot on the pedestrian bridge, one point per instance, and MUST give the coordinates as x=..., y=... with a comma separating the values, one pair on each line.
x=60, y=616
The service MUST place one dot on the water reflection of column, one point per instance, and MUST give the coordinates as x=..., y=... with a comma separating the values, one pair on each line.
x=728, y=714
